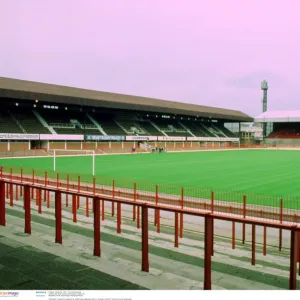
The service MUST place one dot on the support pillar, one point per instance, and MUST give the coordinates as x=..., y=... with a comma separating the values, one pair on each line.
x=2, y=204
x=253, y=244
x=176, y=230
x=74, y=208
x=145, y=241
x=265, y=241
x=39, y=199
x=11, y=195
x=27, y=209
x=293, y=260
x=181, y=226
x=158, y=221
x=138, y=217
x=233, y=235
x=58, y=218
x=112, y=209
x=208, y=240
x=280, y=239
x=97, y=249
x=87, y=209
x=119, y=217
x=102, y=209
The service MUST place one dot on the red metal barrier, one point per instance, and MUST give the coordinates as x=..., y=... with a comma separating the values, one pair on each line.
x=97, y=249
x=58, y=218
x=145, y=240
x=2, y=204
x=176, y=230
x=253, y=244
x=208, y=241
x=27, y=209
x=119, y=217
x=209, y=217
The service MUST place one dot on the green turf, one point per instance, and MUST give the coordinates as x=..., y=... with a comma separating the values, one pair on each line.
x=255, y=172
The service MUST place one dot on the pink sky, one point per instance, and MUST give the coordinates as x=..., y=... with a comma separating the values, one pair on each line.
x=212, y=52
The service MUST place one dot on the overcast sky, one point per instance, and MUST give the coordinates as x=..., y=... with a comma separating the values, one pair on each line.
x=209, y=52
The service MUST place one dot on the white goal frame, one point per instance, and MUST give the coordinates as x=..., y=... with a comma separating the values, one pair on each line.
x=92, y=153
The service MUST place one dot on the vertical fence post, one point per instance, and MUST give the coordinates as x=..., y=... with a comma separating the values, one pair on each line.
x=45, y=191
x=113, y=195
x=176, y=230
x=212, y=202
x=181, y=214
x=103, y=209
x=157, y=211
x=39, y=197
x=27, y=209
x=11, y=195
x=233, y=235
x=21, y=187
x=253, y=244
x=2, y=204
x=244, y=216
x=96, y=204
x=293, y=260
x=78, y=201
x=265, y=241
x=7, y=190
x=74, y=208
x=119, y=218
x=280, y=219
x=58, y=218
x=208, y=241
x=48, y=199
x=145, y=240
x=134, y=199
x=298, y=243
x=156, y=202
x=87, y=210
x=138, y=217
x=17, y=192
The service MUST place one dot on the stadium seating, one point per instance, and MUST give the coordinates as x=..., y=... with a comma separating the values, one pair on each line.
x=109, y=126
x=130, y=127
x=69, y=122
x=28, y=121
x=286, y=131
x=8, y=124
x=171, y=127
x=60, y=121
x=149, y=128
x=197, y=129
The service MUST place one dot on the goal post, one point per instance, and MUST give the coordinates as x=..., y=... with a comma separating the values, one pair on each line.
x=68, y=153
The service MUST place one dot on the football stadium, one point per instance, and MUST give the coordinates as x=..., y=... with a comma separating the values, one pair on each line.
x=104, y=191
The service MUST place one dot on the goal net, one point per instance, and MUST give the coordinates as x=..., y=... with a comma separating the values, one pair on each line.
x=64, y=153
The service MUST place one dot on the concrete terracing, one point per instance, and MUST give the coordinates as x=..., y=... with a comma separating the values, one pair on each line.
x=170, y=267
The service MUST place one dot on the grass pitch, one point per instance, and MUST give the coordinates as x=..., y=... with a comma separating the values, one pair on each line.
x=271, y=172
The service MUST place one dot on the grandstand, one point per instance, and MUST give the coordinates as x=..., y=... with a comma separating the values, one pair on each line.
x=283, y=127
x=64, y=115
